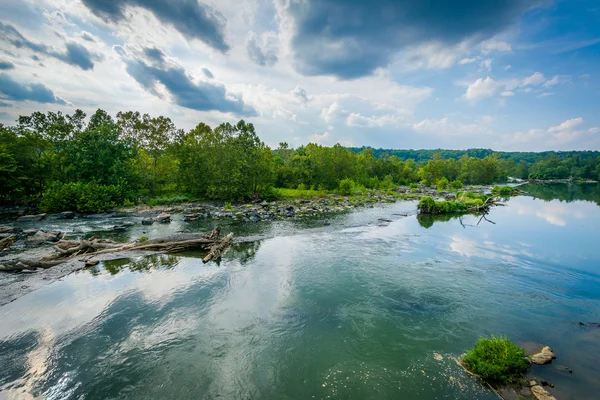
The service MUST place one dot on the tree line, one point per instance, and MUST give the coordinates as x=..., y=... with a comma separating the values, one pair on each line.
x=59, y=162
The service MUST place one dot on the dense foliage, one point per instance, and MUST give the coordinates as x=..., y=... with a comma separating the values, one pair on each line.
x=463, y=201
x=59, y=162
x=497, y=360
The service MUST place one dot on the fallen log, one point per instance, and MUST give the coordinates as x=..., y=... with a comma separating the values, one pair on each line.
x=68, y=249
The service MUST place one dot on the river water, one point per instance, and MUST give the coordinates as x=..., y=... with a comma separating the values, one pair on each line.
x=346, y=307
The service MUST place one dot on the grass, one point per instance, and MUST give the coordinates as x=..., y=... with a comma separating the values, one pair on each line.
x=291, y=194
x=168, y=200
x=497, y=360
x=464, y=200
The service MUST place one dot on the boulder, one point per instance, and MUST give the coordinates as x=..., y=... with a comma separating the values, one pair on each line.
x=545, y=356
x=147, y=221
x=29, y=232
x=539, y=393
x=6, y=229
x=31, y=218
x=42, y=236
x=163, y=218
x=66, y=215
x=190, y=217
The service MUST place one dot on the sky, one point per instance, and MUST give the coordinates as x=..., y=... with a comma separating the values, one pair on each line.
x=512, y=75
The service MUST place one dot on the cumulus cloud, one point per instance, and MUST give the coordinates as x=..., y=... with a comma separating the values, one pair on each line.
x=349, y=39
x=74, y=54
x=488, y=87
x=193, y=19
x=567, y=125
x=300, y=94
x=265, y=53
x=163, y=77
x=13, y=90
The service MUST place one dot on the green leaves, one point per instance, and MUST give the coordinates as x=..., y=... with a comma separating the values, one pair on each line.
x=497, y=360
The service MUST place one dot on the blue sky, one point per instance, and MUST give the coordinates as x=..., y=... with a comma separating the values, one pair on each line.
x=501, y=74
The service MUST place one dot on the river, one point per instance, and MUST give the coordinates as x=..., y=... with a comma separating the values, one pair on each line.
x=347, y=307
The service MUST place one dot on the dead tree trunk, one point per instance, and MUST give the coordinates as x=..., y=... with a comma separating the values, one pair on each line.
x=69, y=249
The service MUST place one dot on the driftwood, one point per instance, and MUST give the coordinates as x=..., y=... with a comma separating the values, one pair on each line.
x=212, y=241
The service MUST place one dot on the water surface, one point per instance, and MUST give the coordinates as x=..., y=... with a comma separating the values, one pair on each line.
x=350, y=308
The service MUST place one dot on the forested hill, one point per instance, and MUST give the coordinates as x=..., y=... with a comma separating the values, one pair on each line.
x=427, y=154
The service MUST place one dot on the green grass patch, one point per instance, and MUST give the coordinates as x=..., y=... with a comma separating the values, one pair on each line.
x=291, y=194
x=497, y=360
x=168, y=200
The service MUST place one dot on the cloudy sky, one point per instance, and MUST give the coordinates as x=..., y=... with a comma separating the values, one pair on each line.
x=501, y=74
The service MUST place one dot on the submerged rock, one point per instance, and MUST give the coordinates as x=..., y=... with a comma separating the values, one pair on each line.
x=66, y=215
x=163, y=218
x=545, y=356
x=539, y=393
x=31, y=218
x=147, y=221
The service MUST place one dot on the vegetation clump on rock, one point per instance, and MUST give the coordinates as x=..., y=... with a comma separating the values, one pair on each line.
x=497, y=360
x=464, y=202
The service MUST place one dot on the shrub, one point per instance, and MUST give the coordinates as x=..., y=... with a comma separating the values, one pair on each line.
x=414, y=186
x=497, y=360
x=346, y=187
x=168, y=200
x=228, y=206
x=456, y=184
x=82, y=197
x=428, y=205
x=143, y=238
x=442, y=183
x=503, y=190
x=301, y=186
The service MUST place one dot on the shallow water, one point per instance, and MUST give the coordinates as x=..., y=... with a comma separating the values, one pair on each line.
x=358, y=309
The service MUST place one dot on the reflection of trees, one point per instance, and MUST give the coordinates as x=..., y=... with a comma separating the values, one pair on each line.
x=427, y=220
x=564, y=191
x=244, y=252
x=145, y=263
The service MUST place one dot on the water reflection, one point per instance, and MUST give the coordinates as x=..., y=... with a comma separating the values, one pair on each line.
x=140, y=264
x=567, y=192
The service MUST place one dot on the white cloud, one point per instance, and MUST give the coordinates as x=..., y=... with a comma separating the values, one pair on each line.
x=594, y=130
x=534, y=80
x=567, y=125
x=556, y=79
x=486, y=64
x=495, y=45
x=467, y=61
x=446, y=127
x=483, y=88
x=507, y=67
x=319, y=139
x=546, y=94
x=507, y=93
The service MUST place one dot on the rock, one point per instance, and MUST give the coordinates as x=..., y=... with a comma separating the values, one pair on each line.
x=545, y=356
x=532, y=383
x=91, y=263
x=163, y=218
x=147, y=221
x=190, y=217
x=66, y=215
x=42, y=236
x=264, y=204
x=119, y=228
x=6, y=229
x=31, y=218
x=29, y=232
x=539, y=393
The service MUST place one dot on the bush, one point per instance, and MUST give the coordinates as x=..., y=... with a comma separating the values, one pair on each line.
x=346, y=187
x=414, y=186
x=428, y=205
x=443, y=183
x=456, y=184
x=497, y=360
x=301, y=186
x=82, y=197
x=503, y=191
x=168, y=200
